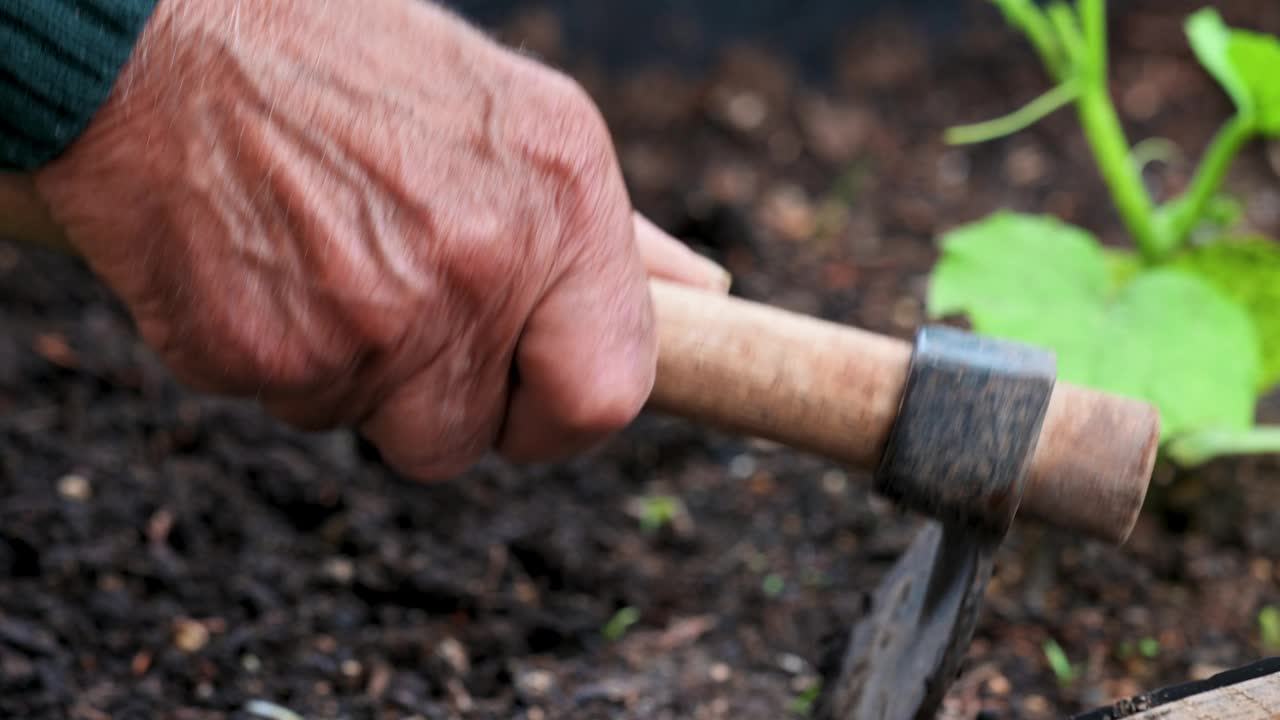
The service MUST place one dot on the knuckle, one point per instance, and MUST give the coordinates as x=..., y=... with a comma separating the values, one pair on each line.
x=573, y=132
x=606, y=407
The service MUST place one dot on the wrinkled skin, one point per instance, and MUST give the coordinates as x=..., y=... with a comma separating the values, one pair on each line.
x=368, y=214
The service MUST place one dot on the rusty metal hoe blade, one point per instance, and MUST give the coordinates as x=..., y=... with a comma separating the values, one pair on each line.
x=901, y=657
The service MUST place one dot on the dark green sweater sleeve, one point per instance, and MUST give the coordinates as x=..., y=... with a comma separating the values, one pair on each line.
x=58, y=62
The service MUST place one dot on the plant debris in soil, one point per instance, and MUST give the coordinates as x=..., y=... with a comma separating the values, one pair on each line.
x=169, y=555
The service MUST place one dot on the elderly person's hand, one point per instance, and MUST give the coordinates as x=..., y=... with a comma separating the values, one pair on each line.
x=367, y=213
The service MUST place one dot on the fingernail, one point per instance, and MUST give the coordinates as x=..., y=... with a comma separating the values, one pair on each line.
x=726, y=281
x=718, y=278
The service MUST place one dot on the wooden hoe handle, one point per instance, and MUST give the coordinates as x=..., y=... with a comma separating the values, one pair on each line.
x=835, y=390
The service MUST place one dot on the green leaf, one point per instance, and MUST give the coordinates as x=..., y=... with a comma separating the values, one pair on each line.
x=1269, y=628
x=1247, y=270
x=1175, y=340
x=1245, y=63
x=1210, y=39
x=1256, y=58
x=1058, y=662
x=1149, y=647
x=802, y=704
x=620, y=623
x=1165, y=335
x=1031, y=277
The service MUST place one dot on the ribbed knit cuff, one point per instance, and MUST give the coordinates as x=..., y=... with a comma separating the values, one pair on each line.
x=58, y=62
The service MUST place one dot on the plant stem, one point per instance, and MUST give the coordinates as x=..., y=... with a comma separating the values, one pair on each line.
x=1027, y=17
x=1019, y=119
x=1093, y=20
x=1200, y=447
x=1106, y=135
x=1063, y=20
x=1178, y=218
x=1123, y=177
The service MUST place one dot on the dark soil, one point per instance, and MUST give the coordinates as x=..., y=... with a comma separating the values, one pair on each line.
x=166, y=555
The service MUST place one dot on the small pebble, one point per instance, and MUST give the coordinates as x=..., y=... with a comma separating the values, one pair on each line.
x=731, y=184
x=835, y=482
x=906, y=313
x=54, y=348
x=340, y=569
x=999, y=685
x=462, y=699
x=251, y=663
x=742, y=467
x=535, y=683
x=793, y=664
x=1204, y=671
x=204, y=690
x=270, y=710
x=351, y=669
x=159, y=526
x=74, y=487
x=536, y=713
x=452, y=652
x=1025, y=165
x=189, y=635
x=720, y=672
x=747, y=111
x=788, y=211
x=836, y=133
x=1035, y=704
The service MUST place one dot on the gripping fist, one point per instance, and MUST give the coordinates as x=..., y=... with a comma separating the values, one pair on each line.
x=369, y=214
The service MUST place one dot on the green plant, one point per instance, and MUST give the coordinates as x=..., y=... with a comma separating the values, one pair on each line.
x=1269, y=628
x=1058, y=662
x=773, y=585
x=618, y=625
x=1185, y=319
x=1148, y=647
x=802, y=703
x=658, y=511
